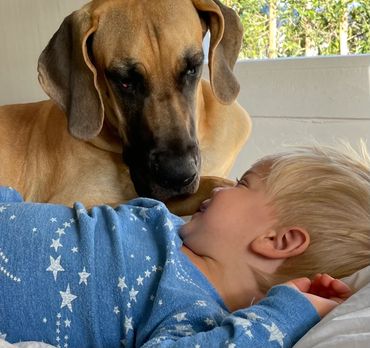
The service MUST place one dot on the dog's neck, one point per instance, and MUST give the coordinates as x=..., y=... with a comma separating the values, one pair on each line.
x=107, y=140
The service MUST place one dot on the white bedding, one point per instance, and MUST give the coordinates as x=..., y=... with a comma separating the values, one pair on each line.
x=347, y=326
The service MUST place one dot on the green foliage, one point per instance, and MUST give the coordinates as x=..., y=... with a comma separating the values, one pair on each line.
x=305, y=27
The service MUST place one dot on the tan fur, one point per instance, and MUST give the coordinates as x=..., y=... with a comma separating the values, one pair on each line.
x=41, y=159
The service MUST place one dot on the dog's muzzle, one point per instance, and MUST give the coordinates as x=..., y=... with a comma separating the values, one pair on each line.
x=166, y=173
x=173, y=172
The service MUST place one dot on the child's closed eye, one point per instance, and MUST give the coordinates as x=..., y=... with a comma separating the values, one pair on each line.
x=242, y=182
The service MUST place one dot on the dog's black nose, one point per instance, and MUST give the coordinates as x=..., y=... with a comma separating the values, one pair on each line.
x=173, y=171
x=189, y=180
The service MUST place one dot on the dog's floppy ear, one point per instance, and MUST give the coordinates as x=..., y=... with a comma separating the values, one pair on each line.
x=68, y=76
x=226, y=39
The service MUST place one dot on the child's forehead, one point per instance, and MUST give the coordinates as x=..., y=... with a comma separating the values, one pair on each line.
x=262, y=168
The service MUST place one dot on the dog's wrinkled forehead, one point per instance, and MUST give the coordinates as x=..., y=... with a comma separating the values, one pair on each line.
x=145, y=30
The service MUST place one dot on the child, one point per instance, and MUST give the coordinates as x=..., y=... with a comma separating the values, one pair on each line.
x=75, y=278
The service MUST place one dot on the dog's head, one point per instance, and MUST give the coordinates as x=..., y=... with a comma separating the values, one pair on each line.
x=134, y=67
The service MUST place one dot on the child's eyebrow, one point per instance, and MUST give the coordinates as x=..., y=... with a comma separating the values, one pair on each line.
x=249, y=171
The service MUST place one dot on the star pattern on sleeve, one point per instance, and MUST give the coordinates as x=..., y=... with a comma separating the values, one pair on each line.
x=56, y=244
x=180, y=316
x=275, y=334
x=169, y=224
x=122, y=283
x=143, y=212
x=60, y=232
x=4, y=268
x=83, y=276
x=55, y=266
x=133, y=293
x=245, y=324
x=67, y=298
x=128, y=324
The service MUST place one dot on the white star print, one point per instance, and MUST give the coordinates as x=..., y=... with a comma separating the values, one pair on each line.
x=67, y=298
x=60, y=231
x=80, y=211
x=67, y=323
x=160, y=302
x=34, y=230
x=275, y=334
x=121, y=283
x=186, y=329
x=201, y=303
x=209, y=321
x=83, y=276
x=245, y=324
x=128, y=324
x=44, y=320
x=253, y=316
x=147, y=274
x=74, y=250
x=140, y=280
x=169, y=224
x=56, y=244
x=66, y=224
x=55, y=266
x=133, y=294
x=154, y=268
x=12, y=217
x=143, y=213
x=53, y=219
x=148, y=258
x=2, y=208
x=180, y=316
x=116, y=310
x=72, y=220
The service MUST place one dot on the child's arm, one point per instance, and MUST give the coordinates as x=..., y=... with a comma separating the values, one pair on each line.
x=279, y=320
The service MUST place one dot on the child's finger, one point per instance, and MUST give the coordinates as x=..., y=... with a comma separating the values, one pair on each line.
x=341, y=289
x=302, y=284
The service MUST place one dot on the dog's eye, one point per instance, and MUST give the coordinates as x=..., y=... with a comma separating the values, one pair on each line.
x=191, y=71
x=127, y=85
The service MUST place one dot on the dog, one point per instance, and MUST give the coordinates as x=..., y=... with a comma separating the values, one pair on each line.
x=129, y=113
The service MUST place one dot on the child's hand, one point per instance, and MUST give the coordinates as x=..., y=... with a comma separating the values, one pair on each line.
x=324, y=292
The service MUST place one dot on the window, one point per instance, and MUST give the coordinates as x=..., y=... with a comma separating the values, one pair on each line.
x=286, y=28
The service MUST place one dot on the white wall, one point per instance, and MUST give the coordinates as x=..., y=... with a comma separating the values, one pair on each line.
x=25, y=28
x=299, y=101
x=292, y=101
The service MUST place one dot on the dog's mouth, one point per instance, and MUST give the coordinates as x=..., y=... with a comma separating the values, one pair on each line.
x=162, y=190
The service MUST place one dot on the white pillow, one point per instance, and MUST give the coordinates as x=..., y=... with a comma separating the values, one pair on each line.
x=348, y=325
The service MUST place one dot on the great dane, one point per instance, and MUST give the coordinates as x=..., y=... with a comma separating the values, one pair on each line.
x=129, y=113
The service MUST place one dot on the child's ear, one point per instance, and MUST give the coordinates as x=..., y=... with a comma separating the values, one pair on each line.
x=286, y=242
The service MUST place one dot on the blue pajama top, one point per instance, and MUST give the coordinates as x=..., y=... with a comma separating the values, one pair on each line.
x=117, y=278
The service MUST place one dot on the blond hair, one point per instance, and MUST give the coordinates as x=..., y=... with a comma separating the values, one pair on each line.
x=327, y=192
